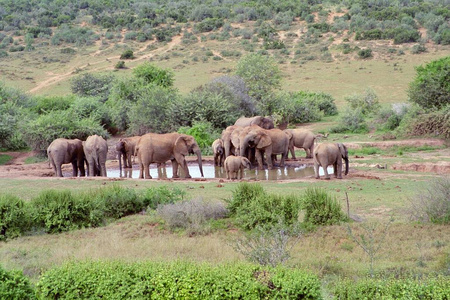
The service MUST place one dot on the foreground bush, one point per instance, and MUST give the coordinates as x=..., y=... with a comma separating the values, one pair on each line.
x=177, y=280
x=58, y=211
x=118, y=202
x=153, y=197
x=321, y=208
x=431, y=288
x=14, y=285
x=13, y=217
x=252, y=207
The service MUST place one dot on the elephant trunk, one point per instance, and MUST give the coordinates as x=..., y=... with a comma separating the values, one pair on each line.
x=227, y=146
x=200, y=165
x=346, y=165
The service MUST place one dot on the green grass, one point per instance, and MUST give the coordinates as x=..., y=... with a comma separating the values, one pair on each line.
x=35, y=159
x=4, y=158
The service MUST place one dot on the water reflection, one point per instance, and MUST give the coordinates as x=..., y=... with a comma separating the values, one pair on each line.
x=211, y=171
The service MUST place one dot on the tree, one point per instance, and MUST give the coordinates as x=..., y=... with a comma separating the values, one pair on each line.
x=261, y=75
x=88, y=84
x=431, y=87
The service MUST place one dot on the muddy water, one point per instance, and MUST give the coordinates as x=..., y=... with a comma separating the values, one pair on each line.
x=211, y=171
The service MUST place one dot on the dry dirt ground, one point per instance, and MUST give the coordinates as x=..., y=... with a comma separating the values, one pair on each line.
x=435, y=162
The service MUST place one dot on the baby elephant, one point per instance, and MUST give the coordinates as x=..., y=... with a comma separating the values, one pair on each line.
x=219, y=152
x=234, y=164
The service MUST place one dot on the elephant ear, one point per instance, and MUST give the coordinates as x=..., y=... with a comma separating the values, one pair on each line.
x=245, y=162
x=342, y=149
x=181, y=145
x=264, y=141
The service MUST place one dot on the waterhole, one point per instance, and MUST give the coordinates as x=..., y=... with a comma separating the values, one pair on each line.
x=210, y=171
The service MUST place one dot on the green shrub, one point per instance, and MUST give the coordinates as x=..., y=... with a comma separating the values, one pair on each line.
x=175, y=280
x=367, y=102
x=153, y=197
x=127, y=54
x=436, y=124
x=209, y=24
x=92, y=85
x=58, y=211
x=14, y=217
x=251, y=206
x=431, y=86
x=321, y=208
x=365, y=53
x=204, y=135
x=391, y=288
x=118, y=201
x=152, y=74
x=120, y=65
x=45, y=104
x=14, y=285
x=352, y=120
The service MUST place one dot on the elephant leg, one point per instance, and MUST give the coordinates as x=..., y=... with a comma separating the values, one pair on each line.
x=338, y=172
x=175, y=168
x=147, y=171
x=269, y=157
x=129, y=160
x=141, y=170
x=324, y=167
x=259, y=159
x=316, y=170
x=103, y=169
x=59, y=171
x=74, y=168
x=81, y=168
x=292, y=150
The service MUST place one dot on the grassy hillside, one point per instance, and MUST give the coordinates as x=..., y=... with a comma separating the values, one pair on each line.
x=317, y=45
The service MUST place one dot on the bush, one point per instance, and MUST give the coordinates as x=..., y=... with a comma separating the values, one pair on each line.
x=251, y=207
x=118, y=202
x=209, y=24
x=431, y=87
x=367, y=101
x=120, y=65
x=92, y=108
x=321, y=208
x=40, y=132
x=127, y=54
x=435, y=124
x=152, y=111
x=365, y=53
x=156, y=280
x=391, y=288
x=91, y=85
x=153, y=197
x=432, y=204
x=204, y=135
x=352, y=120
x=152, y=74
x=45, y=104
x=58, y=211
x=14, y=285
x=14, y=218
x=191, y=215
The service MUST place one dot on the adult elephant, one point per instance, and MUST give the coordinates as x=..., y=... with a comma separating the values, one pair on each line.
x=226, y=138
x=301, y=138
x=266, y=141
x=218, y=152
x=65, y=151
x=263, y=122
x=159, y=148
x=327, y=154
x=96, y=150
x=125, y=148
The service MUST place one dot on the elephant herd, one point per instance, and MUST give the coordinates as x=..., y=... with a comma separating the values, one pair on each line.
x=149, y=148
x=250, y=141
x=255, y=141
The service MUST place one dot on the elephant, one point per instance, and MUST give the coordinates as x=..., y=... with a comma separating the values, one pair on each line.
x=159, y=148
x=219, y=152
x=125, y=148
x=96, y=150
x=327, y=154
x=226, y=138
x=301, y=138
x=234, y=166
x=65, y=151
x=268, y=141
x=263, y=122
